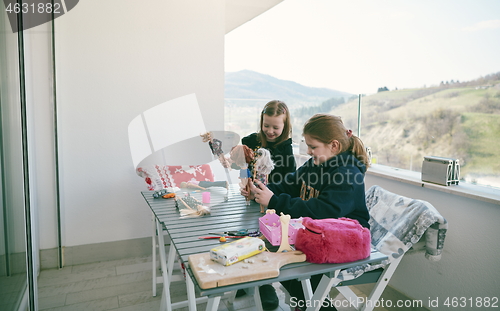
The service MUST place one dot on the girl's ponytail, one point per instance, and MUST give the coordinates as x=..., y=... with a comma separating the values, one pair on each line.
x=326, y=128
x=358, y=149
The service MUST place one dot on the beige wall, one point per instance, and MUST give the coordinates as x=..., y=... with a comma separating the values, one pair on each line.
x=114, y=60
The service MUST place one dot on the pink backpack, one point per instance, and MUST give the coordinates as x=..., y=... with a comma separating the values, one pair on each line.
x=333, y=240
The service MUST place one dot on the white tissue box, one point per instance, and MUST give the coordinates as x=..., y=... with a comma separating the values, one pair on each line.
x=238, y=250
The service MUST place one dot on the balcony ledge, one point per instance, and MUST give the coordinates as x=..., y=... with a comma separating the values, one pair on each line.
x=477, y=192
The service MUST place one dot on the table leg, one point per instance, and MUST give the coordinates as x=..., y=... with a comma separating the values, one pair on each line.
x=232, y=297
x=213, y=303
x=307, y=288
x=153, y=238
x=170, y=262
x=324, y=286
x=257, y=300
x=191, y=294
x=166, y=303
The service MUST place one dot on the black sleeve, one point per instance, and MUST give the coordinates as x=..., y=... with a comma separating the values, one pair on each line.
x=250, y=141
x=284, y=161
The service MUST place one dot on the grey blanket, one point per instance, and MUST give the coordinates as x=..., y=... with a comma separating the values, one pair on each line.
x=397, y=223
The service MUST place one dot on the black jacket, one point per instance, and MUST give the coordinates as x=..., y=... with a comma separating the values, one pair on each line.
x=333, y=189
x=281, y=154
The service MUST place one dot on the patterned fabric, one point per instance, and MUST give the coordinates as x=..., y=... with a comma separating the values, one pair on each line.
x=397, y=223
x=160, y=177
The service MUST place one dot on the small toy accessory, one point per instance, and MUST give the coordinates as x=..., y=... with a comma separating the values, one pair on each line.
x=270, y=226
x=333, y=240
x=262, y=168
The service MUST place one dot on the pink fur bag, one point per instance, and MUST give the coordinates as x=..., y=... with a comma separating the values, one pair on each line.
x=333, y=240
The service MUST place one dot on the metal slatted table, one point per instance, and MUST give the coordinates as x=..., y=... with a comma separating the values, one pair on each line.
x=230, y=214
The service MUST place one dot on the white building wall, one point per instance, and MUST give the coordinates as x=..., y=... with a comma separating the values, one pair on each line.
x=114, y=60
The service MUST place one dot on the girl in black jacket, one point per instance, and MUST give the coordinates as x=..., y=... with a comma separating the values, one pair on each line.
x=274, y=135
x=329, y=185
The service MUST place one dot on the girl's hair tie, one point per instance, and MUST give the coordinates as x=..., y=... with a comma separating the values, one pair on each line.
x=349, y=133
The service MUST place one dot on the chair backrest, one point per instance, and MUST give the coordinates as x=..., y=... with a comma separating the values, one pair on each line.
x=166, y=129
x=166, y=146
x=398, y=222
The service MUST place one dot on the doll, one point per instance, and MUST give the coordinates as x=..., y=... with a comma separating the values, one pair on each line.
x=262, y=167
x=216, y=147
x=192, y=206
x=241, y=156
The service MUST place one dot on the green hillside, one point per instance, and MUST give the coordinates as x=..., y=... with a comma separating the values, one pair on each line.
x=457, y=121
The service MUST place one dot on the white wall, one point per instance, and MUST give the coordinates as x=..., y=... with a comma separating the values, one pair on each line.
x=115, y=59
x=469, y=264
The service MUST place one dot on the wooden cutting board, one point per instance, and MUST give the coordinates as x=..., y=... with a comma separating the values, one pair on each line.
x=210, y=274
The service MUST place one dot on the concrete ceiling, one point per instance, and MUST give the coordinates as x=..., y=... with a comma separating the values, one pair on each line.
x=239, y=12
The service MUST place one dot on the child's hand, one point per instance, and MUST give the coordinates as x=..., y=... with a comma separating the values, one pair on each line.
x=261, y=193
x=245, y=193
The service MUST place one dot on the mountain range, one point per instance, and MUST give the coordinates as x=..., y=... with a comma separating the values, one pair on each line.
x=459, y=120
x=247, y=85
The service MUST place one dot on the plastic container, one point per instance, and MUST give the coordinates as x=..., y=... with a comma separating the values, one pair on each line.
x=270, y=227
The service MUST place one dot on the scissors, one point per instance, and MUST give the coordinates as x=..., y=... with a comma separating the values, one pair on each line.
x=225, y=236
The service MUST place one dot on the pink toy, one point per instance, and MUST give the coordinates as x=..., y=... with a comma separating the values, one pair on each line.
x=333, y=240
x=270, y=227
x=205, y=197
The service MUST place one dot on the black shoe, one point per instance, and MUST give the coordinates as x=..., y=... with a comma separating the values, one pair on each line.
x=328, y=308
x=240, y=293
x=268, y=297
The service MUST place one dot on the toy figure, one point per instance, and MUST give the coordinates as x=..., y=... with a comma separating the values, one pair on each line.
x=262, y=168
x=216, y=147
x=203, y=185
x=193, y=206
x=263, y=165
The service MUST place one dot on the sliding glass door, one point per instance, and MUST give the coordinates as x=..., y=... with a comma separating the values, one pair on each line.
x=14, y=271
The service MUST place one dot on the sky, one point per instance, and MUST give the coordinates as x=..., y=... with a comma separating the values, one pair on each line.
x=357, y=46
